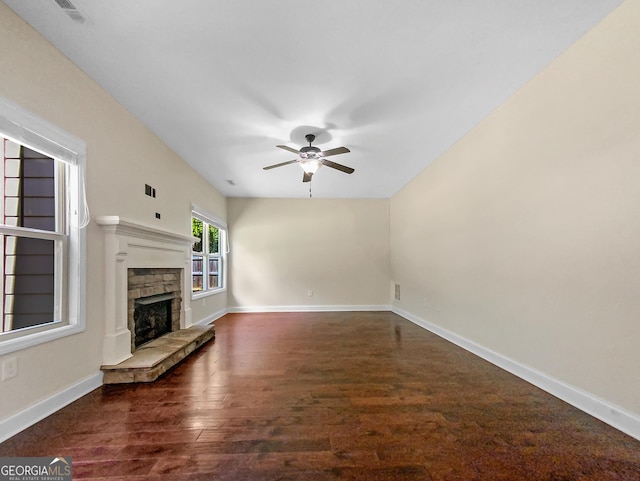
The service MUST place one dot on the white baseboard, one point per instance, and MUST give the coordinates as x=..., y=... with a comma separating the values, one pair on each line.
x=37, y=412
x=211, y=318
x=307, y=308
x=615, y=416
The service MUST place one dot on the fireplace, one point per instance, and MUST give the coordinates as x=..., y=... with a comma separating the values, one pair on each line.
x=144, y=265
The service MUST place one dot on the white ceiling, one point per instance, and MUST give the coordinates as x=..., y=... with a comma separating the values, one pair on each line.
x=397, y=82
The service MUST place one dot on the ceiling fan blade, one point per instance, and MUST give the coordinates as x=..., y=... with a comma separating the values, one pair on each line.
x=307, y=177
x=290, y=149
x=280, y=164
x=336, y=151
x=340, y=167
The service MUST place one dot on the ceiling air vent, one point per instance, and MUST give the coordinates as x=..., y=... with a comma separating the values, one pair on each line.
x=66, y=4
x=71, y=10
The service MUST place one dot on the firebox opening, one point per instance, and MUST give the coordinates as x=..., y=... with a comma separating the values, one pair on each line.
x=152, y=318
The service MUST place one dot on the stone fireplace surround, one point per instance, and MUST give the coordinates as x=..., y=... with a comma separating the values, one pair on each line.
x=153, y=287
x=130, y=245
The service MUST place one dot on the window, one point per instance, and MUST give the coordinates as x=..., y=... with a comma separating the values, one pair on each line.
x=42, y=214
x=33, y=237
x=208, y=253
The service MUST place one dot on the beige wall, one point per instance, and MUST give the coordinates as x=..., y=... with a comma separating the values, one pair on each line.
x=281, y=248
x=122, y=155
x=525, y=236
x=522, y=238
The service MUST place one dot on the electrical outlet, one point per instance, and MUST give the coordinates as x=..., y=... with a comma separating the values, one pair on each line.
x=397, y=292
x=9, y=368
x=310, y=293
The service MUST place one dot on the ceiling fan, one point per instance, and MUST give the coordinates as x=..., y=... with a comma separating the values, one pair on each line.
x=312, y=158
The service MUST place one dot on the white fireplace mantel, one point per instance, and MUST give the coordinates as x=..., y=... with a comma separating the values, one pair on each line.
x=129, y=244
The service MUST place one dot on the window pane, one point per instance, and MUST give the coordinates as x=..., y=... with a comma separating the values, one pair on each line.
x=214, y=277
x=206, y=256
x=213, y=240
x=196, y=230
x=196, y=273
x=30, y=193
x=28, y=282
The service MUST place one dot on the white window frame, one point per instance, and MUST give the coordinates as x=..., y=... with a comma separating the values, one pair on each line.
x=221, y=225
x=25, y=128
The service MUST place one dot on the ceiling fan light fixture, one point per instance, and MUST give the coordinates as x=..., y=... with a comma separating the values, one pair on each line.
x=310, y=166
x=311, y=158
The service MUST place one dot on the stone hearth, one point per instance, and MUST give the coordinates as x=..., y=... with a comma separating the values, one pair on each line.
x=156, y=357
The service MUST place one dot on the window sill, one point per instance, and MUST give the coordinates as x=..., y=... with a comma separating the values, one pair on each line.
x=211, y=292
x=33, y=339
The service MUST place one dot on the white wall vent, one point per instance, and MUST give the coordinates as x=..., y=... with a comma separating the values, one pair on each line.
x=71, y=10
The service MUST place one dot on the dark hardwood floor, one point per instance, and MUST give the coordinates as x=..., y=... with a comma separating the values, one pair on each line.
x=330, y=396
